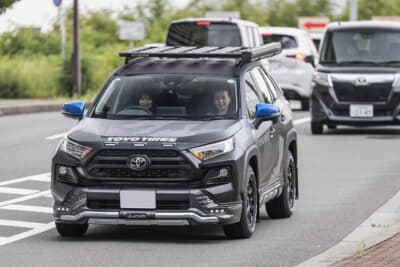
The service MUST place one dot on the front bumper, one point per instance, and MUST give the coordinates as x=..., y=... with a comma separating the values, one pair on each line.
x=192, y=207
x=327, y=109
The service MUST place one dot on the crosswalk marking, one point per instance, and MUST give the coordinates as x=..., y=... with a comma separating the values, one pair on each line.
x=302, y=120
x=56, y=136
x=20, y=224
x=28, y=208
x=17, y=191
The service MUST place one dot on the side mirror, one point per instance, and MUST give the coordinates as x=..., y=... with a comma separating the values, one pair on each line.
x=310, y=59
x=266, y=112
x=74, y=110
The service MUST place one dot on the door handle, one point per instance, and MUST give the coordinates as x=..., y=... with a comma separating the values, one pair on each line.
x=272, y=132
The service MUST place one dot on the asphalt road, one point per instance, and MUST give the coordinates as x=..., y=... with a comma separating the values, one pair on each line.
x=345, y=175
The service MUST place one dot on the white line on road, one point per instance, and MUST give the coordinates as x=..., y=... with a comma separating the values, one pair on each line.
x=56, y=136
x=28, y=208
x=302, y=120
x=35, y=231
x=20, y=224
x=17, y=191
x=44, y=177
x=20, y=199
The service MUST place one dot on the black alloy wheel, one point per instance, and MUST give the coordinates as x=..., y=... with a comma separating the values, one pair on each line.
x=283, y=206
x=247, y=224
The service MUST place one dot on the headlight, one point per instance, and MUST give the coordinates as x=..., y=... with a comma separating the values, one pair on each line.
x=74, y=149
x=396, y=81
x=323, y=78
x=213, y=150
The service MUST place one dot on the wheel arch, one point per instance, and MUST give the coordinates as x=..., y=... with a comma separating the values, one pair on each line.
x=292, y=147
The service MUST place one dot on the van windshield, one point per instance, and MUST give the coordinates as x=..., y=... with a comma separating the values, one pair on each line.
x=189, y=97
x=361, y=47
x=203, y=33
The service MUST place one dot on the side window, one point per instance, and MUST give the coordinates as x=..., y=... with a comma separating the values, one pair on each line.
x=250, y=37
x=262, y=84
x=251, y=98
x=270, y=84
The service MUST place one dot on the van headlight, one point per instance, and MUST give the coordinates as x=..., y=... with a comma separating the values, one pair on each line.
x=323, y=78
x=213, y=150
x=74, y=149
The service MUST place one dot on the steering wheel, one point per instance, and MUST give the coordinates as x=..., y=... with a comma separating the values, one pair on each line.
x=141, y=110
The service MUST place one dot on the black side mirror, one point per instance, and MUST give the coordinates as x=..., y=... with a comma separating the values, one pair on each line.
x=310, y=59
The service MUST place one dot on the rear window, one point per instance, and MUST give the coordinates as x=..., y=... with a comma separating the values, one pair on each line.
x=286, y=41
x=203, y=33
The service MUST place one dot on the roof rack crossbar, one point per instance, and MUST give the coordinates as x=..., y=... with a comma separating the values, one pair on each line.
x=245, y=55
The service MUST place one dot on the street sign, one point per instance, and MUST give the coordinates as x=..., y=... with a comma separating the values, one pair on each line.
x=313, y=24
x=131, y=30
x=57, y=2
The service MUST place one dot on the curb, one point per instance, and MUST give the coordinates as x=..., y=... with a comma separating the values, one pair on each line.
x=30, y=108
x=380, y=226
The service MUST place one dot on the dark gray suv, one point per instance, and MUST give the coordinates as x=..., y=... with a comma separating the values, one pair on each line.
x=179, y=136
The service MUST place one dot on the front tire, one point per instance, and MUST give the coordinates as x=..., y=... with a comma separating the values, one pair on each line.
x=67, y=229
x=283, y=206
x=305, y=104
x=317, y=128
x=247, y=225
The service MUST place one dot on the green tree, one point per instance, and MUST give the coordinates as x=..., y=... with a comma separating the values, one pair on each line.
x=4, y=4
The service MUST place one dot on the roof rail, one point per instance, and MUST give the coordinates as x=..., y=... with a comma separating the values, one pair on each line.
x=245, y=55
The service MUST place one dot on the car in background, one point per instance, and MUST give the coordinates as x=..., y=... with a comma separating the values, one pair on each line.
x=357, y=80
x=219, y=32
x=316, y=37
x=293, y=69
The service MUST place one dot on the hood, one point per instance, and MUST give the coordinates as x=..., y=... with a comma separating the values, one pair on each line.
x=183, y=133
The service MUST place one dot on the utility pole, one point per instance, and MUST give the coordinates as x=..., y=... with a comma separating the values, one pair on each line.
x=76, y=55
x=353, y=10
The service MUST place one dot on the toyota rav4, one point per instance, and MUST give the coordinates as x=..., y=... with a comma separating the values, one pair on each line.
x=179, y=136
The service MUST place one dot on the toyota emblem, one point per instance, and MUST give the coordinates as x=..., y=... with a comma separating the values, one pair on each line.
x=138, y=162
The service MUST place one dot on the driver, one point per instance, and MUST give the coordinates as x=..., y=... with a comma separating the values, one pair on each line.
x=222, y=101
x=146, y=101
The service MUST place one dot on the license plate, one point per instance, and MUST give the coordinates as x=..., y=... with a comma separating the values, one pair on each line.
x=361, y=111
x=138, y=199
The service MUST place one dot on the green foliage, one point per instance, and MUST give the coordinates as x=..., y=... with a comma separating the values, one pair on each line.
x=4, y=4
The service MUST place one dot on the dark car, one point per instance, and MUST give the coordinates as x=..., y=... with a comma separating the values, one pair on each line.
x=357, y=81
x=179, y=136
x=220, y=32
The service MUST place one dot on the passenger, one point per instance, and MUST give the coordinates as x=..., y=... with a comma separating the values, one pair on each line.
x=222, y=101
x=146, y=101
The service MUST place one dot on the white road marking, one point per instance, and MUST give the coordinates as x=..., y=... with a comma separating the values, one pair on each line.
x=56, y=136
x=16, y=191
x=44, y=177
x=302, y=120
x=28, y=208
x=20, y=199
x=43, y=228
x=20, y=224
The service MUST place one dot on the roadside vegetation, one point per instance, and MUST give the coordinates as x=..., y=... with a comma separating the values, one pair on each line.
x=31, y=65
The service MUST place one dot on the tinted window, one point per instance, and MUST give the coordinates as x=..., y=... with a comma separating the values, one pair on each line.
x=262, y=85
x=285, y=40
x=166, y=96
x=213, y=34
x=368, y=46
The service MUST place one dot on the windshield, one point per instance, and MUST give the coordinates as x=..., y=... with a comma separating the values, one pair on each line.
x=286, y=41
x=168, y=97
x=361, y=47
x=205, y=34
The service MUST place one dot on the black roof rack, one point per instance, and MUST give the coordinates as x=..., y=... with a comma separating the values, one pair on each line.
x=245, y=55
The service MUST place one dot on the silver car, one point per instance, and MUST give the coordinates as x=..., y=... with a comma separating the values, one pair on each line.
x=293, y=69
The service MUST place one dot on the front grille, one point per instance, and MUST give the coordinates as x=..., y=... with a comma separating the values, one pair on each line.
x=114, y=204
x=166, y=166
x=348, y=92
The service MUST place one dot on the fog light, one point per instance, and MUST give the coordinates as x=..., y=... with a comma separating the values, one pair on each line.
x=223, y=172
x=62, y=170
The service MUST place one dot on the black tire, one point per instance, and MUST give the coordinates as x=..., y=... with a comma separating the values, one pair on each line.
x=67, y=229
x=283, y=206
x=247, y=225
x=305, y=104
x=317, y=128
x=332, y=127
